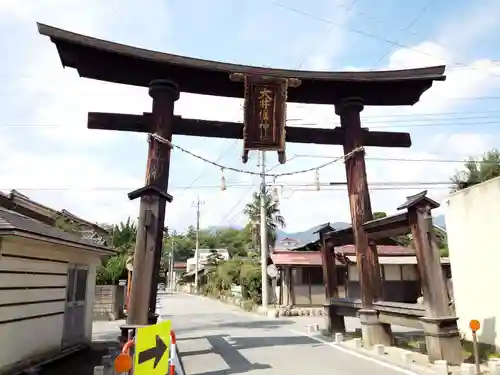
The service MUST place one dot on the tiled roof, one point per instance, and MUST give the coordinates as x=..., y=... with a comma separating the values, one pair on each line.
x=314, y=258
x=300, y=258
x=382, y=250
x=13, y=221
x=297, y=258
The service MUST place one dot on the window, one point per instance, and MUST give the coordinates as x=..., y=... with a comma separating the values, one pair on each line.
x=316, y=274
x=353, y=272
x=81, y=284
x=297, y=276
x=409, y=272
x=392, y=272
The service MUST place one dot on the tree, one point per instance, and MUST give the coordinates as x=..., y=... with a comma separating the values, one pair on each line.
x=111, y=270
x=274, y=219
x=214, y=258
x=477, y=171
x=123, y=237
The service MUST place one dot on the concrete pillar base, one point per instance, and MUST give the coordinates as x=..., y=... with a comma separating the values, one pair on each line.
x=333, y=322
x=442, y=339
x=374, y=332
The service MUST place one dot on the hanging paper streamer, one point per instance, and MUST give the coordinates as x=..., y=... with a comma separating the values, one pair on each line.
x=223, y=185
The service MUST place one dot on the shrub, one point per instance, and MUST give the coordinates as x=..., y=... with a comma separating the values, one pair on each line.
x=111, y=270
x=251, y=282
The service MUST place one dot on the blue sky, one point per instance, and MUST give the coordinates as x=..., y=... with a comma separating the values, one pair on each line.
x=48, y=153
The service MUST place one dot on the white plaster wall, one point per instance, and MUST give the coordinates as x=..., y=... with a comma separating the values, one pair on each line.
x=317, y=294
x=473, y=225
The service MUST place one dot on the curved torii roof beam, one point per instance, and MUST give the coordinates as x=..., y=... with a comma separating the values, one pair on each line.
x=112, y=62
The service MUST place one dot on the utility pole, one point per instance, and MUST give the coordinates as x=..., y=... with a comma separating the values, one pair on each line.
x=198, y=203
x=171, y=271
x=263, y=231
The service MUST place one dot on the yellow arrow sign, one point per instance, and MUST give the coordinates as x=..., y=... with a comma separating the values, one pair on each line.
x=152, y=349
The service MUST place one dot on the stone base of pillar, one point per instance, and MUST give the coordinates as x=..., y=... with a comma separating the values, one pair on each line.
x=373, y=331
x=333, y=322
x=442, y=339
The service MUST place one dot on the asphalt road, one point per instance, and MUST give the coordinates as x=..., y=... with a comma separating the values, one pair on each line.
x=218, y=339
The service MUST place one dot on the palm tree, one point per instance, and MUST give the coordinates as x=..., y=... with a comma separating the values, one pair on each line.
x=274, y=219
x=477, y=171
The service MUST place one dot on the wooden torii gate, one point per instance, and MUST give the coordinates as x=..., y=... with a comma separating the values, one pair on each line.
x=166, y=75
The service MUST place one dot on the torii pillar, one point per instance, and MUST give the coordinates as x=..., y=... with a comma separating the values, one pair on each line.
x=349, y=110
x=149, y=242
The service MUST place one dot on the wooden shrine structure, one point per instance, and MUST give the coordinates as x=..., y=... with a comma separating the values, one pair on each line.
x=167, y=75
x=434, y=317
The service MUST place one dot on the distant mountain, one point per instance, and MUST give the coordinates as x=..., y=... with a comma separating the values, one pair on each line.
x=307, y=236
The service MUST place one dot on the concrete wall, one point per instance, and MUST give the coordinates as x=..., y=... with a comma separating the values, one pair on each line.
x=473, y=226
x=109, y=302
x=33, y=279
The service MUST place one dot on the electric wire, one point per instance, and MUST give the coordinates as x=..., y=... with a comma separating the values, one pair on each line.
x=373, y=36
x=414, y=20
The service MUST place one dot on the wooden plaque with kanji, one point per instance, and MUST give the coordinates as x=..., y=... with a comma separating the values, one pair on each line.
x=264, y=115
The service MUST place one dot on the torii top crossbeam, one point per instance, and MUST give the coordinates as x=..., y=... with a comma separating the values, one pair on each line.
x=118, y=63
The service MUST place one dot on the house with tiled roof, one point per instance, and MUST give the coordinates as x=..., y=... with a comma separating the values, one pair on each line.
x=47, y=289
x=18, y=202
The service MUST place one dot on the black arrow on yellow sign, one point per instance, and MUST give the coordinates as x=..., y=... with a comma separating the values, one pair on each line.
x=155, y=353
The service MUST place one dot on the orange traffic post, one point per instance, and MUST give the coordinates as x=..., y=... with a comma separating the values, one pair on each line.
x=173, y=352
x=475, y=326
x=123, y=362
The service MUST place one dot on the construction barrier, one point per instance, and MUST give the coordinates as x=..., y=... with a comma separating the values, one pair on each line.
x=173, y=353
x=124, y=361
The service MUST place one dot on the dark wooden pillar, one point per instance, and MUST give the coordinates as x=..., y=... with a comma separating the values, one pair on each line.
x=329, y=267
x=154, y=196
x=333, y=321
x=440, y=328
x=349, y=110
x=359, y=199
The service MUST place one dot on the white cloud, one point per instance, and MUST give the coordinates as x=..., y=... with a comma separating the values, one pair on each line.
x=330, y=43
x=78, y=159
